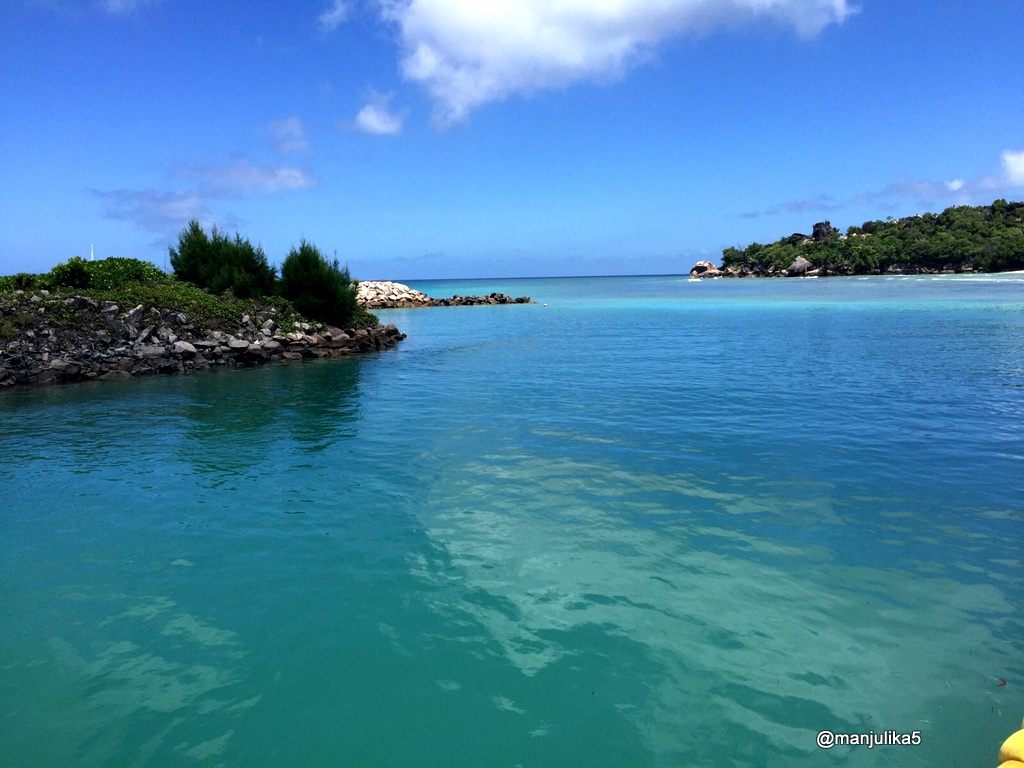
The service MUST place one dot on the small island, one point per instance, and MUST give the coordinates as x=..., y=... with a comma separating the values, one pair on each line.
x=961, y=239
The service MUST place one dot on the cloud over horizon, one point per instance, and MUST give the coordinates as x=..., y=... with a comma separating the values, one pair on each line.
x=820, y=204
x=167, y=211
x=980, y=190
x=243, y=178
x=467, y=53
x=152, y=210
x=959, y=191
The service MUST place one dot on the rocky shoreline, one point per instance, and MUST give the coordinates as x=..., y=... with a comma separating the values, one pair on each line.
x=801, y=267
x=384, y=294
x=49, y=340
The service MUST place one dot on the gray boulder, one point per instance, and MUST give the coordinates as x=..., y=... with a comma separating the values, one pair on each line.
x=184, y=349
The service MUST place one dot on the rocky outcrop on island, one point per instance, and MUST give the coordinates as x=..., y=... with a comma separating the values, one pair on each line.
x=801, y=267
x=384, y=294
x=705, y=269
x=46, y=340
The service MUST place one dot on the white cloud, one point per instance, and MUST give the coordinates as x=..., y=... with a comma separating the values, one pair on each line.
x=242, y=178
x=1013, y=167
x=166, y=211
x=467, y=53
x=977, y=190
x=290, y=136
x=375, y=118
x=820, y=204
x=333, y=17
x=152, y=210
x=121, y=7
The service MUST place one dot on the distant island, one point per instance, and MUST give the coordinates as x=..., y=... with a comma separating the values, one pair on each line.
x=961, y=239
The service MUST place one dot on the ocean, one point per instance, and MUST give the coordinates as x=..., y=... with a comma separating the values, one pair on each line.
x=644, y=521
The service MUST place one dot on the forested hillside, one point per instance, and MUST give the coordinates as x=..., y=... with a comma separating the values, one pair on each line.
x=988, y=238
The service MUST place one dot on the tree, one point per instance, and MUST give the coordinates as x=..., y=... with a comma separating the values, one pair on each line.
x=190, y=261
x=319, y=289
x=733, y=257
x=219, y=264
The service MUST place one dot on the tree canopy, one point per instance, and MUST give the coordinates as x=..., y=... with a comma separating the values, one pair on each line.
x=318, y=288
x=218, y=263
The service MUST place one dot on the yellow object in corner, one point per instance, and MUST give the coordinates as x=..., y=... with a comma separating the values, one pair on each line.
x=1012, y=764
x=1012, y=749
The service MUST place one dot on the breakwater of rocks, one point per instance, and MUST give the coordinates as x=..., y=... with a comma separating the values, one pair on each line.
x=47, y=340
x=384, y=294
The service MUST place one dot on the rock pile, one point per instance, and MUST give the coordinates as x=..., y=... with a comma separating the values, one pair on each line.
x=388, y=295
x=492, y=298
x=385, y=294
x=45, y=340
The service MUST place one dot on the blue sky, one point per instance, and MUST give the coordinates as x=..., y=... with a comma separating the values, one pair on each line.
x=462, y=138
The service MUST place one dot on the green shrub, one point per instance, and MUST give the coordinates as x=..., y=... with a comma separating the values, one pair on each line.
x=317, y=288
x=218, y=263
x=22, y=281
x=115, y=271
x=74, y=273
x=203, y=308
x=78, y=274
x=363, y=318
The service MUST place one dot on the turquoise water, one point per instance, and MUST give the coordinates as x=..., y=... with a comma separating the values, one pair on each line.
x=653, y=523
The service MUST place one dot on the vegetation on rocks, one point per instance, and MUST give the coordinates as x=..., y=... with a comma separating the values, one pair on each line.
x=129, y=282
x=54, y=338
x=118, y=318
x=988, y=238
x=319, y=289
x=218, y=263
x=316, y=287
x=80, y=274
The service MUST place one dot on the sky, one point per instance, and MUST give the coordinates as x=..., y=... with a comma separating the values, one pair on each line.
x=418, y=139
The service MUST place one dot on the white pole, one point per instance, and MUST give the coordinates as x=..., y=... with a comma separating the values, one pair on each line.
x=92, y=253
